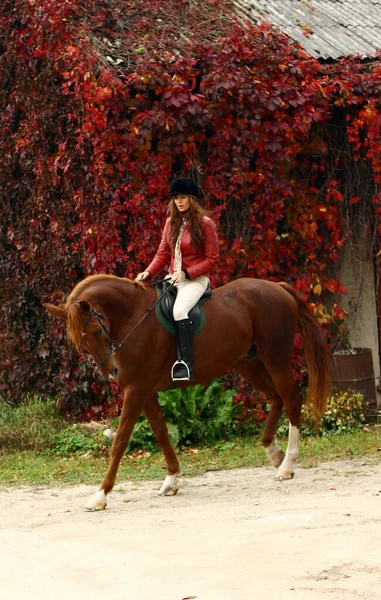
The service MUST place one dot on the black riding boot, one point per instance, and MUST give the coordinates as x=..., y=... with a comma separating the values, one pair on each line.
x=182, y=368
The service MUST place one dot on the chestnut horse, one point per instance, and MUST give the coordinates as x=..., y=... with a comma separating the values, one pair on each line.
x=250, y=327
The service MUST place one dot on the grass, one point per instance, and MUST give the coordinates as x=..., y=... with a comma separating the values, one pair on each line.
x=47, y=469
x=31, y=425
x=38, y=447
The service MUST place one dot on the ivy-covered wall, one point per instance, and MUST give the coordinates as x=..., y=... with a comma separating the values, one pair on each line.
x=102, y=103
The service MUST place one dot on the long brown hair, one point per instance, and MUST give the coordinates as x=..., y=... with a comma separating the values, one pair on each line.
x=194, y=217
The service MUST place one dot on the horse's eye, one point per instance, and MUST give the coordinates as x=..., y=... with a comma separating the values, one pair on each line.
x=98, y=332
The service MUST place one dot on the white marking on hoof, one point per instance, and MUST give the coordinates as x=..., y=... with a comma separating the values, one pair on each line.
x=169, y=487
x=287, y=468
x=109, y=434
x=97, y=502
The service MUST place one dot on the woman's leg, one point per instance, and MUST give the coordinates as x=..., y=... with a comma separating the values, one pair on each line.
x=188, y=294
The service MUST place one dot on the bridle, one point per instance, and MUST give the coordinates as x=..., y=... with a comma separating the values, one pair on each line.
x=99, y=317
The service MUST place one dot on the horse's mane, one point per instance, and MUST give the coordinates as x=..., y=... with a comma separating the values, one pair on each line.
x=74, y=319
x=85, y=283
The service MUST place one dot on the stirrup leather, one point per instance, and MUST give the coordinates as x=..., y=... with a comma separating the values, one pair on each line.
x=182, y=363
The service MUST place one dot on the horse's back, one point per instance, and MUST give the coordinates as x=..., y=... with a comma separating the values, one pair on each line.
x=259, y=310
x=258, y=294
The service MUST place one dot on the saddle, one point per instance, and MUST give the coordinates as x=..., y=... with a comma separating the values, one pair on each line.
x=164, y=309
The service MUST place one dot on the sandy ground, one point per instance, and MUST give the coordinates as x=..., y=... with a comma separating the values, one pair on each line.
x=227, y=535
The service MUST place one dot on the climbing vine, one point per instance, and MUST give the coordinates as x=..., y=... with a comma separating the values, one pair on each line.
x=104, y=102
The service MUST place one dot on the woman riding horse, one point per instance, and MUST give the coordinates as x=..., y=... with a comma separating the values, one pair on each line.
x=189, y=245
x=250, y=327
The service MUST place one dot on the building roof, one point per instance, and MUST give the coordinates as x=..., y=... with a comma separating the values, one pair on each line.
x=326, y=29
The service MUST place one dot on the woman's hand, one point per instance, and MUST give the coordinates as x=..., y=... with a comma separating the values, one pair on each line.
x=178, y=276
x=142, y=276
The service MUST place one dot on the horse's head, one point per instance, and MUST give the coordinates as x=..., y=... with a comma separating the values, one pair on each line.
x=89, y=331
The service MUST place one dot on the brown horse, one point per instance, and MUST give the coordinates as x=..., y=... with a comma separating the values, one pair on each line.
x=250, y=327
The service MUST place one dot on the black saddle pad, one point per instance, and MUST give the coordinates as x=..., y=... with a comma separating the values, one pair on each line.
x=164, y=309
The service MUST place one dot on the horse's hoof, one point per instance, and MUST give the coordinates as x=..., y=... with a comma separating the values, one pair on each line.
x=169, y=487
x=96, y=502
x=169, y=491
x=277, y=459
x=284, y=475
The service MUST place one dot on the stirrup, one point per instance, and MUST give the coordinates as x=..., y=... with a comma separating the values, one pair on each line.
x=182, y=363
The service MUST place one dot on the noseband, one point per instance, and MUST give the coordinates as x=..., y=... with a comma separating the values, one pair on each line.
x=99, y=317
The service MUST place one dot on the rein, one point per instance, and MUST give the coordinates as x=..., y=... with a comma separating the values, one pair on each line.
x=99, y=317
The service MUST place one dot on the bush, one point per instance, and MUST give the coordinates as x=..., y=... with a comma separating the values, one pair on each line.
x=37, y=425
x=31, y=425
x=344, y=413
x=194, y=416
x=202, y=415
x=143, y=438
x=70, y=441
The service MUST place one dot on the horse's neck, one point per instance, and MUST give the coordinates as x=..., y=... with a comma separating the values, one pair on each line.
x=122, y=298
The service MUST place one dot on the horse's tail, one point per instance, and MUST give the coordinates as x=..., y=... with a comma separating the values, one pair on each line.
x=316, y=355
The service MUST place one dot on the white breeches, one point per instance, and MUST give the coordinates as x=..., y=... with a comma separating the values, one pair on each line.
x=189, y=293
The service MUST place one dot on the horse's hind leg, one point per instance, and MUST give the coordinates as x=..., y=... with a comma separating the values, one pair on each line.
x=275, y=454
x=288, y=390
x=255, y=373
x=154, y=415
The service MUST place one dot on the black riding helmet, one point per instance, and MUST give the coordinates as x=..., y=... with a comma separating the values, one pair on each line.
x=184, y=185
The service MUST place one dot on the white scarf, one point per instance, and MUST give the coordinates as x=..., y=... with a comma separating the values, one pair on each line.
x=177, y=266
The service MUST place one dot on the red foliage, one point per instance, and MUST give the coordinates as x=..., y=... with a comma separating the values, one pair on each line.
x=102, y=103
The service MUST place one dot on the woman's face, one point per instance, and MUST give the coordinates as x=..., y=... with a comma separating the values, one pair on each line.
x=182, y=202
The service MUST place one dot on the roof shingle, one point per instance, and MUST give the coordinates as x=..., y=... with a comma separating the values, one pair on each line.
x=324, y=28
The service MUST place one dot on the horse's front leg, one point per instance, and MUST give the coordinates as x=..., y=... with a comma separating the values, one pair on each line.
x=132, y=407
x=152, y=411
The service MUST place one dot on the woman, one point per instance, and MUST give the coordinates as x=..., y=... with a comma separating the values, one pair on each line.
x=190, y=246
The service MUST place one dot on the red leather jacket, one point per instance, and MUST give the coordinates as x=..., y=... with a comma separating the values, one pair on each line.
x=196, y=262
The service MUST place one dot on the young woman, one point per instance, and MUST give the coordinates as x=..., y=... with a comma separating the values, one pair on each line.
x=190, y=246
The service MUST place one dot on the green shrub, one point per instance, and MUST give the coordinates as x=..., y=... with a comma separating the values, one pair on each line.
x=202, y=415
x=344, y=414
x=31, y=425
x=70, y=441
x=195, y=415
x=143, y=438
x=37, y=425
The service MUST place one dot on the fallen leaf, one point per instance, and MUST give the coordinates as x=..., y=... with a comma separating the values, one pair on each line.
x=190, y=451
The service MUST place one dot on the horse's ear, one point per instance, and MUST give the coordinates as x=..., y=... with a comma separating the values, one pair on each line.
x=57, y=311
x=84, y=306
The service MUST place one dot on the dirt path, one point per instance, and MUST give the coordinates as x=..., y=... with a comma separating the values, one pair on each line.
x=227, y=535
